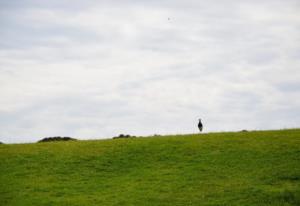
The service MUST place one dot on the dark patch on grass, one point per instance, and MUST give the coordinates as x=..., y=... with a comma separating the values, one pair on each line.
x=291, y=197
x=291, y=178
x=124, y=136
x=58, y=138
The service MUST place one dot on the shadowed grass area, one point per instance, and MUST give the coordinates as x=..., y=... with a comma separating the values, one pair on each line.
x=242, y=168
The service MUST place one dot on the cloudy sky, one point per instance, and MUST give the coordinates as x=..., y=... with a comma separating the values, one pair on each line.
x=96, y=69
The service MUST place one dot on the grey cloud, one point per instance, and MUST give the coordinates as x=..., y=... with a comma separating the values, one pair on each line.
x=97, y=69
x=289, y=87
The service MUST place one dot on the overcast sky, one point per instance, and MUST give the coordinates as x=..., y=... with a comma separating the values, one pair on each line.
x=96, y=69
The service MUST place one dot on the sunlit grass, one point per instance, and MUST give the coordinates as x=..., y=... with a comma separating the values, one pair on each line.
x=242, y=168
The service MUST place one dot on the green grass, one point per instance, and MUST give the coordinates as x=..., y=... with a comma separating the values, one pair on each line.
x=242, y=168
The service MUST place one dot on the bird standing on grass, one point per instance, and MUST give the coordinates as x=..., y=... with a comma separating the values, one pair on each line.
x=200, y=125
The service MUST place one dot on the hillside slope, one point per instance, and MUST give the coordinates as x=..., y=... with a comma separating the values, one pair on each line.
x=243, y=168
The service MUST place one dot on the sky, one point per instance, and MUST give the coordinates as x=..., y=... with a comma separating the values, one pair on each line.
x=96, y=69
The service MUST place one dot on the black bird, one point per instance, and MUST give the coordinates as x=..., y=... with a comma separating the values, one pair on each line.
x=200, y=125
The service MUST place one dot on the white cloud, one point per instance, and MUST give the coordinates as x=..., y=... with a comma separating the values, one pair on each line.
x=101, y=69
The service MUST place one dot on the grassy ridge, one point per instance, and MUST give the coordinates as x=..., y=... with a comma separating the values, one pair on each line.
x=244, y=168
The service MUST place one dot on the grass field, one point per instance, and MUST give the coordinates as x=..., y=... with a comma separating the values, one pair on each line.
x=241, y=168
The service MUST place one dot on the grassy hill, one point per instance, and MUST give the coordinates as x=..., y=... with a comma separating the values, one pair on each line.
x=242, y=168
